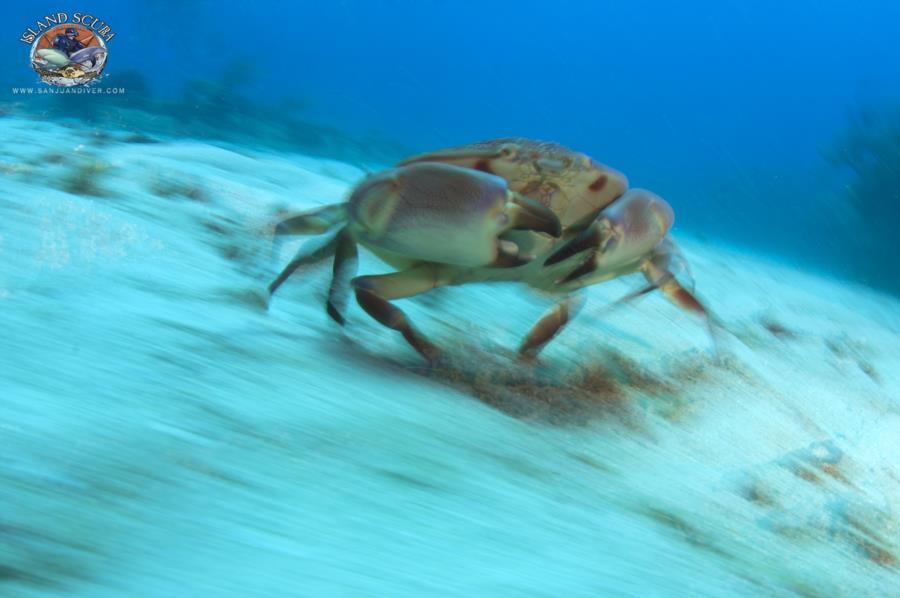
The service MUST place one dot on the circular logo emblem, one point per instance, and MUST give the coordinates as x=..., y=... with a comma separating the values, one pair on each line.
x=68, y=55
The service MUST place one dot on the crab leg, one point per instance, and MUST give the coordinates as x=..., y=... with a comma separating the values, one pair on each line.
x=549, y=326
x=343, y=270
x=313, y=223
x=301, y=259
x=658, y=270
x=373, y=293
x=659, y=276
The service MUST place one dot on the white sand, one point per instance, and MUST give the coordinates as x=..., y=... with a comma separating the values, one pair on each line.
x=161, y=437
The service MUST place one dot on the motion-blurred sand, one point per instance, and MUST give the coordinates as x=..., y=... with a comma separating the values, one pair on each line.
x=161, y=435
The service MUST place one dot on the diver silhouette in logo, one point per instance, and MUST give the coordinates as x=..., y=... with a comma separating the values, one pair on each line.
x=67, y=42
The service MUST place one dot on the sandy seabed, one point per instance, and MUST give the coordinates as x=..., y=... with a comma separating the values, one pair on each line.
x=162, y=435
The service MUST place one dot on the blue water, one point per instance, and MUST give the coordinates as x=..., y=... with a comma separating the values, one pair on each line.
x=161, y=435
x=725, y=106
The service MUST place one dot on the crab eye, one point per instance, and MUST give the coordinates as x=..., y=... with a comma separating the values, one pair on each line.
x=507, y=151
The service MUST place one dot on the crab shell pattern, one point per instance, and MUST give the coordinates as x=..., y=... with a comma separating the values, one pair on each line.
x=570, y=183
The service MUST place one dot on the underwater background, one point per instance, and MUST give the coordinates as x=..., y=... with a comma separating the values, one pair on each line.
x=742, y=112
x=163, y=436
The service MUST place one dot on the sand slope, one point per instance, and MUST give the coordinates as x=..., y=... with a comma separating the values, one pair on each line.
x=163, y=435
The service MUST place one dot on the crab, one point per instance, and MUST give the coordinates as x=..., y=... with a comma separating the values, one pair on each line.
x=422, y=219
x=503, y=210
x=617, y=232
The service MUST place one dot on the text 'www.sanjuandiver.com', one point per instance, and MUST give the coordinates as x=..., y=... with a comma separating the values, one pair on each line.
x=66, y=90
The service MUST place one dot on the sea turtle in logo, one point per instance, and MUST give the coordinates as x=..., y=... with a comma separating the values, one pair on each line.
x=68, y=55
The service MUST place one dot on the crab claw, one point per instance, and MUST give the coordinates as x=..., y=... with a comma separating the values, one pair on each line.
x=621, y=239
x=442, y=213
x=623, y=233
x=638, y=222
x=528, y=214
